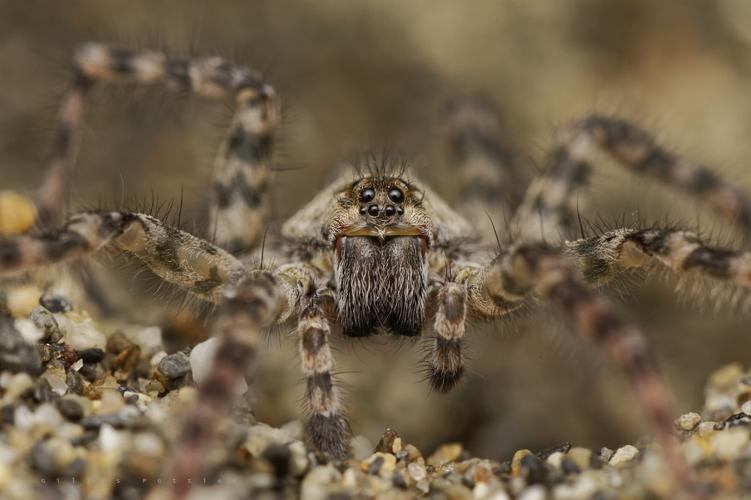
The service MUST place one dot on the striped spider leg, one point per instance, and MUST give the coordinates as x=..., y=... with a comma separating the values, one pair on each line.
x=242, y=174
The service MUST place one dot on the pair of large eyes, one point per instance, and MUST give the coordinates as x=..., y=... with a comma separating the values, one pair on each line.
x=395, y=195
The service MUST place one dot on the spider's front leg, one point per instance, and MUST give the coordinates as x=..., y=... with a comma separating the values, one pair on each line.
x=445, y=361
x=545, y=271
x=193, y=264
x=602, y=257
x=313, y=304
x=240, y=203
x=247, y=308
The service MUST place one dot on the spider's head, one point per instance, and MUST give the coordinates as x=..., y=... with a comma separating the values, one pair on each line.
x=381, y=233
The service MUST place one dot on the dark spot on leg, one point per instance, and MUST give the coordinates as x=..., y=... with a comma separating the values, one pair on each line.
x=248, y=147
x=121, y=60
x=444, y=380
x=454, y=307
x=329, y=434
x=178, y=71
x=58, y=247
x=206, y=286
x=166, y=250
x=713, y=261
x=322, y=382
x=10, y=255
x=313, y=340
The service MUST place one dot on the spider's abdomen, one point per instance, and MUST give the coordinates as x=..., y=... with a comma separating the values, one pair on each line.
x=382, y=285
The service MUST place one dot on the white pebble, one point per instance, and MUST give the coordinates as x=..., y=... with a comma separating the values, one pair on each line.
x=555, y=459
x=730, y=443
x=28, y=330
x=536, y=492
x=623, y=455
x=81, y=336
x=156, y=358
x=688, y=421
x=746, y=408
x=16, y=385
x=416, y=471
x=149, y=339
x=706, y=429
x=109, y=439
x=56, y=377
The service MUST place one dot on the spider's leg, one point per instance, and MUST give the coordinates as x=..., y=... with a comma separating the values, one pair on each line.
x=193, y=264
x=241, y=178
x=602, y=257
x=545, y=271
x=249, y=307
x=328, y=426
x=488, y=177
x=445, y=361
x=551, y=202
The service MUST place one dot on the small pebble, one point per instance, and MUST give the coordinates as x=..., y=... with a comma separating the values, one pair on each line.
x=580, y=456
x=56, y=377
x=16, y=354
x=705, y=429
x=70, y=409
x=624, y=455
x=416, y=471
x=45, y=321
x=93, y=355
x=445, y=454
x=688, y=421
x=82, y=335
x=55, y=303
x=174, y=366
x=731, y=442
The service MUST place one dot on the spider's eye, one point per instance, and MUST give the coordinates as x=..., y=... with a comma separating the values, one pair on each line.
x=396, y=195
x=367, y=195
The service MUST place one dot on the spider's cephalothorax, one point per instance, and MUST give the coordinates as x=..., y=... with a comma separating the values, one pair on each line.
x=392, y=255
x=381, y=234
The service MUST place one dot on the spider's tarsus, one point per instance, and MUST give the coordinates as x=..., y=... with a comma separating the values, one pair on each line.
x=329, y=434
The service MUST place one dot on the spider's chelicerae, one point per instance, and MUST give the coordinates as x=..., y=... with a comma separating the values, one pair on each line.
x=377, y=251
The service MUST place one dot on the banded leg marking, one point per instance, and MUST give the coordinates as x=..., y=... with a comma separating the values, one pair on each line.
x=328, y=427
x=242, y=174
x=176, y=256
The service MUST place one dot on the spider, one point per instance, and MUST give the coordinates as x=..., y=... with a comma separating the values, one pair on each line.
x=378, y=251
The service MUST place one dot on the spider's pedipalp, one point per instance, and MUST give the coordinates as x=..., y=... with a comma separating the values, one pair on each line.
x=242, y=174
x=445, y=361
x=178, y=257
x=550, y=200
x=601, y=257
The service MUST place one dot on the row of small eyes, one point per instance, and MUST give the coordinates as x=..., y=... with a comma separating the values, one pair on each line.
x=395, y=195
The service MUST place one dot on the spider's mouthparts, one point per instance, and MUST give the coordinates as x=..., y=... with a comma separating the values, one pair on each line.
x=381, y=238
x=381, y=234
x=382, y=285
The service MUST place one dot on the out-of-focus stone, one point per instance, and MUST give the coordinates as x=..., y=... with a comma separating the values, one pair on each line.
x=624, y=455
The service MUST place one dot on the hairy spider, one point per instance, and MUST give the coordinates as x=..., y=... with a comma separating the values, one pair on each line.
x=377, y=251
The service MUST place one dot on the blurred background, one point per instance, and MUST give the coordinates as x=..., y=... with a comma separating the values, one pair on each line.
x=374, y=74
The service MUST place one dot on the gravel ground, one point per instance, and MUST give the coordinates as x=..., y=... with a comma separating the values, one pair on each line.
x=89, y=410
